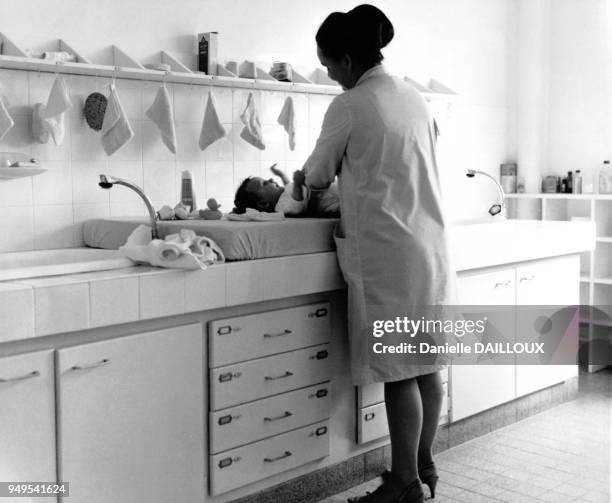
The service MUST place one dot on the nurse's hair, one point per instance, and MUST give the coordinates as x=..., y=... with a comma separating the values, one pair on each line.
x=360, y=33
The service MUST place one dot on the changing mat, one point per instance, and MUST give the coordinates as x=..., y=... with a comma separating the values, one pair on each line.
x=237, y=240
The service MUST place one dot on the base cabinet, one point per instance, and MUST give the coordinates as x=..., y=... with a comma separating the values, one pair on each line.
x=27, y=421
x=130, y=418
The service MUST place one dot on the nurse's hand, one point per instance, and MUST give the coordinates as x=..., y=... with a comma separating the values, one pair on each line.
x=299, y=178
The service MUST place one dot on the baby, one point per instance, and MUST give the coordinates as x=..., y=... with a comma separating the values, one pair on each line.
x=294, y=199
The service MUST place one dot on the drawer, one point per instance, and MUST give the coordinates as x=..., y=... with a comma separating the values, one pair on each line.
x=247, y=423
x=247, y=464
x=243, y=338
x=248, y=381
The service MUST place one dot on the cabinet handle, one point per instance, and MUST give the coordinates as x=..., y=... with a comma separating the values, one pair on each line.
x=278, y=458
x=502, y=284
x=284, y=332
x=282, y=376
x=34, y=373
x=102, y=362
x=270, y=419
x=527, y=278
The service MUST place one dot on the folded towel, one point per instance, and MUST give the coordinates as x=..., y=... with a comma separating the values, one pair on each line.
x=183, y=250
x=287, y=120
x=252, y=215
x=116, y=130
x=40, y=131
x=251, y=133
x=57, y=105
x=6, y=121
x=212, y=129
x=161, y=113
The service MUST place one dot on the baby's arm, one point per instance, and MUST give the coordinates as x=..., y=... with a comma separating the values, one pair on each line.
x=281, y=174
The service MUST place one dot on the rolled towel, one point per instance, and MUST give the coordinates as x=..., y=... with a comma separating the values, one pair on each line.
x=162, y=114
x=57, y=105
x=6, y=121
x=251, y=133
x=116, y=130
x=212, y=129
x=287, y=120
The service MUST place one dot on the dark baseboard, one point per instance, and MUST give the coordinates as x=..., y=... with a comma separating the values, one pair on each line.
x=320, y=484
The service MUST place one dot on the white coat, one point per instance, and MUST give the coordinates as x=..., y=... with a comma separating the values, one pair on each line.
x=378, y=138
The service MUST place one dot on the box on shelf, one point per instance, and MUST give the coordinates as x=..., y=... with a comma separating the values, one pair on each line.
x=207, y=52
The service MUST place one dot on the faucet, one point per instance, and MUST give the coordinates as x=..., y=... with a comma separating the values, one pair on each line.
x=106, y=182
x=500, y=207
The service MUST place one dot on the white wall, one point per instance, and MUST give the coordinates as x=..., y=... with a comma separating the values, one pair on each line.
x=466, y=44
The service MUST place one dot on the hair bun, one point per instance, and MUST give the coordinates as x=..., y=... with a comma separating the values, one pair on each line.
x=370, y=18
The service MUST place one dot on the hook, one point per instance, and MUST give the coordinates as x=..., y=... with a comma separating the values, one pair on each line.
x=115, y=71
x=165, y=77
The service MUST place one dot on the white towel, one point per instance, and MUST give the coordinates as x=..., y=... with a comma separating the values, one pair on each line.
x=40, y=131
x=252, y=215
x=6, y=121
x=161, y=113
x=116, y=130
x=287, y=120
x=251, y=132
x=57, y=105
x=183, y=250
x=212, y=129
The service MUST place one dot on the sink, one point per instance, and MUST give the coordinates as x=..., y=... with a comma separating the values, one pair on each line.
x=31, y=264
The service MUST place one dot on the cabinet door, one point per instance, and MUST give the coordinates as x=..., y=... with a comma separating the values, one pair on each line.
x=475, y=388
x=131, y=418
x=27, y=420
x=554, y=282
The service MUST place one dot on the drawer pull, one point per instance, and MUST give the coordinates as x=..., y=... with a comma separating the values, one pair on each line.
x=319, y=313
x=502, y=284
x=227, y=419
x=322, y=430
x=278, y=458
x=104, y=361
x=321, y=355
x=321, y=393
x=224, y=330
x=284, y=332
x=34, y=373
x=527, y=278
x=282, y=376
x=369, y=416
x=285, y=415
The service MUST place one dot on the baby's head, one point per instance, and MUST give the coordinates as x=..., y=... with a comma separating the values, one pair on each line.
x=257, y=193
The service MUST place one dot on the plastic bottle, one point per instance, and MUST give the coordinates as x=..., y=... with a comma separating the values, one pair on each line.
x=577, y=187
x=188, y=197
x=569, y=187
x=605, y=178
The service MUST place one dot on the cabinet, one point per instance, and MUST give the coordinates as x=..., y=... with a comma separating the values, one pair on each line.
x=27, y=420
x=131, y=419
x=595, y=293
x=270, y=394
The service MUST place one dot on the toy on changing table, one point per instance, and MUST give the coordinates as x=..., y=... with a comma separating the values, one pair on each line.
x=212, y=212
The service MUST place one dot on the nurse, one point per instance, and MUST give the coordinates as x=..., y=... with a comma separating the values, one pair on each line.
x=378, y=139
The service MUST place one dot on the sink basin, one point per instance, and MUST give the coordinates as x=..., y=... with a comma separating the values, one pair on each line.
x=31, y=264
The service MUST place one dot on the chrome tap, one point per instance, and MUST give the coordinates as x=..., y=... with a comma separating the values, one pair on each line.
x=106, y=182
x=500, y=207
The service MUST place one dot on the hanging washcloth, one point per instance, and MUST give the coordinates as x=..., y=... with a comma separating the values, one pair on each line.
x=116, y=130
x=212, y=129
x=57, y=105
x=6, y=121
x=40, y=131
x=161, y=113
x=287, y=120
x=251, y=133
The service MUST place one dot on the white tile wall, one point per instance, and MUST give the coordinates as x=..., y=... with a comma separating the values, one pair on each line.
x=46, y=211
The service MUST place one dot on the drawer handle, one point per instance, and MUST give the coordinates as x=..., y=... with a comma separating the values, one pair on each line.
x=527, y=278
x=34, y=373
x=278, y=458
x=369, y=416
x=104, y=361
x=282, y=376
x=502, y=284
x=270, y=419
x=279, y=334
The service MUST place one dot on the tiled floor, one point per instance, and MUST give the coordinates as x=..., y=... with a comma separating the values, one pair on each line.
x=560, y=455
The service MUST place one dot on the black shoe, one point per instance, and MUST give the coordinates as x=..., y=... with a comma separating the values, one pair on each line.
x=393, y=490
x=429, y=476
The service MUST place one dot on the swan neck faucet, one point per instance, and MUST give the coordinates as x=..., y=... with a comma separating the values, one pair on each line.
x=500, y=207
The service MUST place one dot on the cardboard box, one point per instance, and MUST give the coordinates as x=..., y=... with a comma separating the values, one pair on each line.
x=207, y=52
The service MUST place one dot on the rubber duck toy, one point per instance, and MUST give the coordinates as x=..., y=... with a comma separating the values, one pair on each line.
x=212, y=212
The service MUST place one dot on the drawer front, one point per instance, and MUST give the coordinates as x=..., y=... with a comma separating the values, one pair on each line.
x=246, y=337
x=372, y=423
x=248, y=381
x=240, y=425
x=247, y=464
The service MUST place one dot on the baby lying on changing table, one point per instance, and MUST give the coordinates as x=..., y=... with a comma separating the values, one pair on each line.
x=293, y=199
